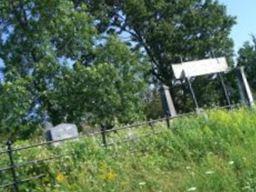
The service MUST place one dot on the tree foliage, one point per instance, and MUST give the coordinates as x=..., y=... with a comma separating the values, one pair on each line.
x=64, y=62
x=170, y=30
x=247, y=58
x=58, y=68
x=15, y=103
x=109, y=90
x=174, y=31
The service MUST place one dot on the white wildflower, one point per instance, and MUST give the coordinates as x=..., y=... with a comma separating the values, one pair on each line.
x=142, y=183
x=192, y=189
x=209, y=172
x=231, y=162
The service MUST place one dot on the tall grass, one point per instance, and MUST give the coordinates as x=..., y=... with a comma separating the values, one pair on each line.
x=214, y=151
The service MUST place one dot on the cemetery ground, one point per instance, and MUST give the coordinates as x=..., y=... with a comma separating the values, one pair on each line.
x=213, y=151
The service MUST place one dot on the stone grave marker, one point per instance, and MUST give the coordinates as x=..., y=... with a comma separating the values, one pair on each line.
x=62, y=131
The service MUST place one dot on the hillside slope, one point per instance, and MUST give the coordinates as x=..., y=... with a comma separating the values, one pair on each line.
x=214, y=151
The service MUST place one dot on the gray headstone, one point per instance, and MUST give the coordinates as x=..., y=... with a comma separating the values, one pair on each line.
x=62, y=131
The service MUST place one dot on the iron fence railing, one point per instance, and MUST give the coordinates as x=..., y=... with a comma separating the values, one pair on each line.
x=13, y=167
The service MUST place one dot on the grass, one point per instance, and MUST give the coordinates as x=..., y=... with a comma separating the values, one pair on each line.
x=214, y=151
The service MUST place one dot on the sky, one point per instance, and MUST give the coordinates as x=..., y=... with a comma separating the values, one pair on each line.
x=245, y=11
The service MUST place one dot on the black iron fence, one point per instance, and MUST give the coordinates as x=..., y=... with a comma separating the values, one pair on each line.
x=13, y=167
x=9, y=150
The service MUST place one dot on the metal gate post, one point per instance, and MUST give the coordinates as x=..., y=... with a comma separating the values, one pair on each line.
x=224, y=89
x=192, y=93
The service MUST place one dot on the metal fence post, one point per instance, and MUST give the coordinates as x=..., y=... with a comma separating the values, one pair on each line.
x=103, y=133
x=167, y=119
x=12, y=165
x=151, y=126
x=192, y=93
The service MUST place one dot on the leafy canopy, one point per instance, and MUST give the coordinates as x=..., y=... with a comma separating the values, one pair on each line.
x=247, y=58
x=169, y=32
x=58, y=68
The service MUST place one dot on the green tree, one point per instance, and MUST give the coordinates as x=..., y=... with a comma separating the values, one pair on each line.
x=37, y=37
x=247, y=58
x=62, y=69
x=35, y=31
x=15, y=104
x=168, y=31
x=187, y=29
x=108, y=91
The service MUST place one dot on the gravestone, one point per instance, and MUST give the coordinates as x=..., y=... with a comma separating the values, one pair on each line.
x=62, y=131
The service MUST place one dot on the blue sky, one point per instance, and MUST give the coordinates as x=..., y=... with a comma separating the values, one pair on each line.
x=245, y=11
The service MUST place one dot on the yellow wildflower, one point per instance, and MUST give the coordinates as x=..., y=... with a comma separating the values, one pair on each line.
x=60, y=177
x=103, y=166
x=109, y=176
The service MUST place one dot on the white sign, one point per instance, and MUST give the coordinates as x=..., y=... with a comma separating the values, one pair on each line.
x=201, y=67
